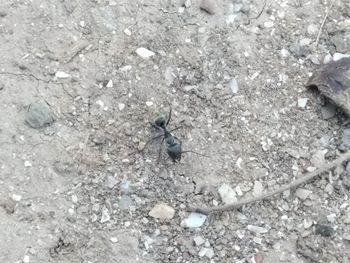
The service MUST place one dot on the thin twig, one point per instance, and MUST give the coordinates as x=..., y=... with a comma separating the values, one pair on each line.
x=323, y=22
x=295, y=184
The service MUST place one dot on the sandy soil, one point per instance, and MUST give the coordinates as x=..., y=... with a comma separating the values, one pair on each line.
x=80, y=190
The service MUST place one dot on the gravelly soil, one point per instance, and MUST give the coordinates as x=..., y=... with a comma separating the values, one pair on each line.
x=80, y=189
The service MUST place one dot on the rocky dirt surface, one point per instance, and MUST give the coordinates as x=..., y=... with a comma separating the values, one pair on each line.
x=79, y=83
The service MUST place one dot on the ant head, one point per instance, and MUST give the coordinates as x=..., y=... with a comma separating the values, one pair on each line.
x=160, y=121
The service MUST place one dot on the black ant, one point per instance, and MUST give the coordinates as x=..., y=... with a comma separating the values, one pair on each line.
x=173, y=144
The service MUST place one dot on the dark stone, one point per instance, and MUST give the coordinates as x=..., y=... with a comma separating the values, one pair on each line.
x=324, y=229
x=39, y=115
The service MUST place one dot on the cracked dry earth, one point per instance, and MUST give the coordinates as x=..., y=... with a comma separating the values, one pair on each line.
x=81, y=188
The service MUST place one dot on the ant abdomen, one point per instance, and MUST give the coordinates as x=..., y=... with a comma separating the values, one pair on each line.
x=174, y=151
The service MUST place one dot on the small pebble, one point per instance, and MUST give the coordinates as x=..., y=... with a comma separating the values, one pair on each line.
x=127, y=32
x=3, y=13
x=27, y=164
x=233, y=86
x=125, y=202
x=162, y=211
x=227, y=194
x=144, y=52
x=268, y=24
x=308, y=223
x=74, y=199
x=105, y=215
x=325, y=230
x=198, y=240
x=121, y=106
x=113, y=239
x=327, y=59
x=302, y=102
x=202, y=252
x=209, y=253
x=238, y=190
x=62, y=75
x=284, y=52
x=345, y=145
x=149, y=103
x=257, y=229
x=194, y=220
x=209, y=6
x=141, y=146
x=302, y=194
x=317, y=159
x=258, y=188
x=331, y=218
x=16, y=197
x=346, y=237
x=110, y=181
x=188, y=3
x=257, y=240
x=39, y=115
x=109, y=84
x=26, y=259
x=328, y=111
x=339, y=56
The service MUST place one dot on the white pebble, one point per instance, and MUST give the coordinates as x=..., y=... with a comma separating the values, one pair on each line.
x=105, y=215
x=194, y=220
x=109, y=84
x=339, y=56
x=257, y=240
x=114, y=239
x=227, y=194
x=149, y=103
x=16, y=198
x=62, y=75
x=258, y=188
x=162, y=211
x=125, y=68
x=202, y=252
x=121, y=106
x=284, y=52
x=302, y=102
x=144, y=52
x=268, y=24
x=100, y=103
x=257, y=229
x=331, y=218
x=127, y=32
x=74, y=199
x=27, y=164
x=198, y=240
x=233, y=86
x=327, y=59
x=238, y=190
x=26, y=259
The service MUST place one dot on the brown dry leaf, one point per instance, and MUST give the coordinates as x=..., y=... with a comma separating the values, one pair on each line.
x=333, y=81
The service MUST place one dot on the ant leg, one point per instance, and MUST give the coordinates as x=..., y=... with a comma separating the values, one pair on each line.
x=195, y=153
x=160, y=150
x=152, y=139
x=175, y=129
x=169, y=117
